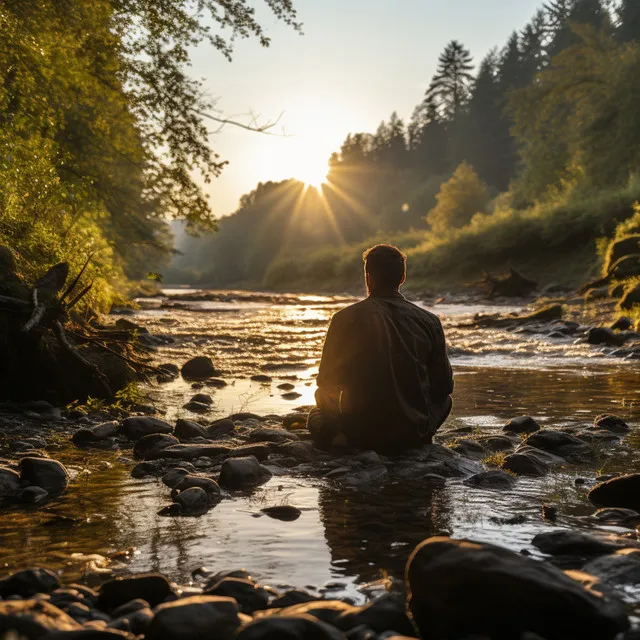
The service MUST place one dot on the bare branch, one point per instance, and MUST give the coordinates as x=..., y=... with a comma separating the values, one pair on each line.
x=252, y=125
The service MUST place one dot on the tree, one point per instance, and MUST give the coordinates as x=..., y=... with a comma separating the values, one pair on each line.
x=462, y=197
x=510, y=65
x=628, y=21
x=450, y=87
x=428, y=140
x=532, y=53
x=390, y=142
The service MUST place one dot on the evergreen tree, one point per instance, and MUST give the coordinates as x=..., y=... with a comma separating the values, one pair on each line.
x=510, y=65
x=450, y=87
x=532, y=52
x=428, y=140
x=629, y=21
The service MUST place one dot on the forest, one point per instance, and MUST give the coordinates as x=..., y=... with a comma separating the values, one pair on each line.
x=528, y=158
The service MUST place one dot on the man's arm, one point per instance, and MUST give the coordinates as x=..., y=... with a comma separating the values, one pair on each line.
x=439, y=367
x=332, y=375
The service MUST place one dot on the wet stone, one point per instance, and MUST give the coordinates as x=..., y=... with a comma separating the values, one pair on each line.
x=197, y=407
x=386, y=613
x=198, y=368
x=193, y=501
x=249, y=596
x=33, y=619
x=300, y=627
x=470, y=449
x=522, y=424
x=9, y=481
x=566, y=542
x=137, y=427
x=525, y=465
x=243, y=473
x=622, y=491
x=188, y=430
x=151, y=446
x=561, y=444
x=195, y=618
x=28, y=583
x=496, y=444
x=94, y=435
x=34, y=495
x=620, y=568
x=611, y=423
x=286, y=513
x=202, y=398
x=617, y=516
x=492, y=480
x=152, y=587
x=221, y=428
x=50, y=475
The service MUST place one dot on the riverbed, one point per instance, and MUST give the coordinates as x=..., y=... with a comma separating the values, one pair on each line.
x=344, y=539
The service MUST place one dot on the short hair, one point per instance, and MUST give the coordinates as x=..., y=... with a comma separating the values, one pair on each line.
x=387, y=264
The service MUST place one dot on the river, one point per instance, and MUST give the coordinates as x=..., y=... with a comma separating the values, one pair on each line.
x=344, y=539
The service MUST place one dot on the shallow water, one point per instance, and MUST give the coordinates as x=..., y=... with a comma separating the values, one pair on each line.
x=343, y=539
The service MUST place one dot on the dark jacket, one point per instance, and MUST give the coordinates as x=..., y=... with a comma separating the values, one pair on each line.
x=384, y=363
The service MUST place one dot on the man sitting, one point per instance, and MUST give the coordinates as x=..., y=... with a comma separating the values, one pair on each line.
x=385, y=380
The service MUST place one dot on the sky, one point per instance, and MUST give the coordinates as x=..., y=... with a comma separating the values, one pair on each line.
x=357, y=62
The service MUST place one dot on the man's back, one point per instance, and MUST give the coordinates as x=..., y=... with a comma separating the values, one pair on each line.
x=383, y=368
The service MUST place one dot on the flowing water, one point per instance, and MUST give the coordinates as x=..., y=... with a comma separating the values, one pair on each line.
x=344, y=539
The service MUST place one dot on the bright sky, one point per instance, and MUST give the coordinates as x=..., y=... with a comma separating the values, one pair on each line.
x=357, y=61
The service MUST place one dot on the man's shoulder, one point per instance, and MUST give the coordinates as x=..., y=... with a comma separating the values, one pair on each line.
x=352, y=311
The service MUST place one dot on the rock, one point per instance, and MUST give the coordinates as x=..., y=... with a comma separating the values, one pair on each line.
x=286, y=513
x=611, y=423
x=243, y=473
x=34, y=495
x=145, y=469
x=366, y=479
x=291, y=395
x=33, y=619
x=28, y=583
x=130, y=607
x=261, y=377
x=470, y=449
x=87, y=436
x=197, y=407
x=203, y=398
x=50, y=475
x=623, y=491
x=193, y=451
x=523, y=464
x=220, y=428
x=291, y=598
x=286, y=386
x=561, y=444
x=195, y=618
x=170, y=369
x=209, y=485
x=263, y=434
x=249, y=596
x=324, y=610
x=493, y=480
x=522, y=424
x=486, y=590
x=137, y=622
x=174, y=477
x=619, y=517
x=198, y=368
x=622, y=324
x=496, y=444
x=544, y=457
x=137, y=427
x=386, y=613
x=152, y=587
x=193, y=501
x=188, y=430
x=566, y=542
x=606, y=336
x=9, y=481
x=302, y=451
x=593, y=435
x=151, y=446
x=300, y=627
x=631, y=297
x=622, y=567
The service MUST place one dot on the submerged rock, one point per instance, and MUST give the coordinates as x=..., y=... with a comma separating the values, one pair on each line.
x=495, y=480
x=50, y=475
x=486, y=590
x=195, y=618
x=198, y=368
x=137, y=427
x=611, y=423
x=622, y=567
x=286, y=513
x=243, y=473
x=522, y=424
x=623, y=491
x=574, y=543
x=193, y=501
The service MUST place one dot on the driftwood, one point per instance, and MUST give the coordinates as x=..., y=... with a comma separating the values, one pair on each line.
x=45, y=353
x=512, y=285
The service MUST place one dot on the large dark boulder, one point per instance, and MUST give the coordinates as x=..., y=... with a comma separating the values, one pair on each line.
x=88, y=436
x=50, y=475
x=193, y=501
x=611, y=423
x=459, y=588
x=198, y=368
x=9, y=482
x=192, y=451
x=620, y=568
x=525, y=465
x=300, y=627
x=195, y=618
x=250, y=596
x=33, y=619
x=494, y=480
x=623, y=491
x=387, y=613
x=29, y=582
x=243, y=473
x=566, y=542
x=136, y=427
x=561, y=444
x=188, y=430
x=152, y=587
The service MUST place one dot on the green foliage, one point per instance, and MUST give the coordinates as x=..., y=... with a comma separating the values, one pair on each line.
x=460, y=198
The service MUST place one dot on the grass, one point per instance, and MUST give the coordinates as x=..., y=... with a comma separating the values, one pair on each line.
x=495, y=460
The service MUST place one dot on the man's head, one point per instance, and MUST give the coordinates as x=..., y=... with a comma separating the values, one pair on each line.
x=385, y=268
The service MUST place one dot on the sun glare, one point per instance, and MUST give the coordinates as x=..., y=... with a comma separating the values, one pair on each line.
x=312, y=170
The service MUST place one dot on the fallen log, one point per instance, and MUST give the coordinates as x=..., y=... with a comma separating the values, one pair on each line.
x=511, y=285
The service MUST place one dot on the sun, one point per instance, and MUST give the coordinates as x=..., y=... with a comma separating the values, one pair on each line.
x=312, y=170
